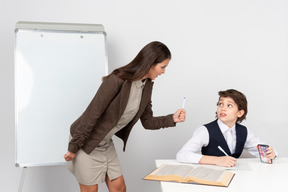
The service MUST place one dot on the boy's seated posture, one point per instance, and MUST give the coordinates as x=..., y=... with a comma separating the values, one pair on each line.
x=225, y=132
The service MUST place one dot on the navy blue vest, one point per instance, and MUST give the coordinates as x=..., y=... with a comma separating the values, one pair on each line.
x=216, y=139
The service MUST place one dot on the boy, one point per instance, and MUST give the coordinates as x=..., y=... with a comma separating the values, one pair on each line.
x=225, y=132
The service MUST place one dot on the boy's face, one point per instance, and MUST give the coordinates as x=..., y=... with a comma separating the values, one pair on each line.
x=227, y=111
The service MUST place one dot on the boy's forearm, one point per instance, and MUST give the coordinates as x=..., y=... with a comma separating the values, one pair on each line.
x=225, y=161
x=210, y=160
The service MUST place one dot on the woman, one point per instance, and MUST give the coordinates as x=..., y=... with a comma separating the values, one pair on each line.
x=123, y=97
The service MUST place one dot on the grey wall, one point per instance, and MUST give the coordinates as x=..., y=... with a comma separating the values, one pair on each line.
x=215, y=45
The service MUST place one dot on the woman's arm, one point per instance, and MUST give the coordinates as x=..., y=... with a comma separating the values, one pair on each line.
x=150, y=122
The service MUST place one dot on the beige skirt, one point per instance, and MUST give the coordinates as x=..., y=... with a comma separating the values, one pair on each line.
x=91, y=169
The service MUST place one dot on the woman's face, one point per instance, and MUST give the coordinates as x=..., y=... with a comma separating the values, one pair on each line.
x=157, y=69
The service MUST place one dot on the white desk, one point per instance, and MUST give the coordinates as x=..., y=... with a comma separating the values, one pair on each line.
x=252, y=175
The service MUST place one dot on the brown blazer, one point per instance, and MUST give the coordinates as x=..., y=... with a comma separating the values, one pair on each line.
x=105, y=110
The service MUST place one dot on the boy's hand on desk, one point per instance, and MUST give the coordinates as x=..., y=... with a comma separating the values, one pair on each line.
x=226, y=161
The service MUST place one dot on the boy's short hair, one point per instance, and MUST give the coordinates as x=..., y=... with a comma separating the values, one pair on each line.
x=240, y=100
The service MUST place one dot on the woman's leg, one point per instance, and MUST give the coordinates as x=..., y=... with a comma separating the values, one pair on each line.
x=88, y=188
x=116, y=185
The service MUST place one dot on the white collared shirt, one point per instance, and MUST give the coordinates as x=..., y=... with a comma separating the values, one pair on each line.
x=191, y=151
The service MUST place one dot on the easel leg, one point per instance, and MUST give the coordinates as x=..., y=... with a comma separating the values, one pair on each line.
x=22, y=179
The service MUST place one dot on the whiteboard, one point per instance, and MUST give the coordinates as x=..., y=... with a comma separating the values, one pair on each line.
x=58, y=69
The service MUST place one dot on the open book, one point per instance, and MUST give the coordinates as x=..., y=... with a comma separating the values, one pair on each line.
x=191, y=174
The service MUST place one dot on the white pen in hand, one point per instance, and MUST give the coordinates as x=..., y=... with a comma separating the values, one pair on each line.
x=183, y=104
x=220, y=148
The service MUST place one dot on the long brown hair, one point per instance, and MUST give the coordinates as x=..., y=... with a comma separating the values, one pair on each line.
x=152, y=54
